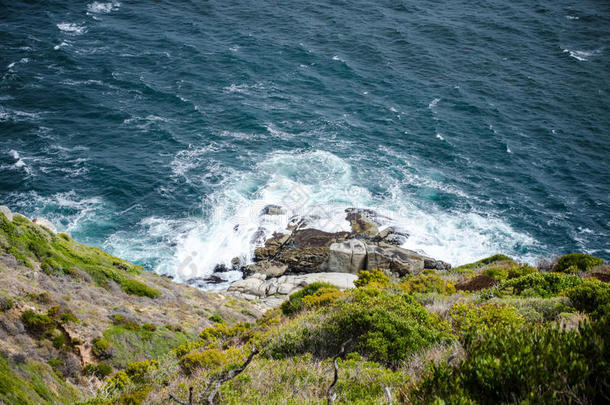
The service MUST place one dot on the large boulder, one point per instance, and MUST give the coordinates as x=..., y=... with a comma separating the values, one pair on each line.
x=430, y=263
x=46, y=223
x=394, y=259
x=304, y=251
x=257, y=287
x=347, y=257
x=268, y=268
x=7, y=212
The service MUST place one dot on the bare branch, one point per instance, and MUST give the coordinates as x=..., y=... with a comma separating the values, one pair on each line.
x=388, y=394
x=171, y=396
x=330, y=393
x=228, y=376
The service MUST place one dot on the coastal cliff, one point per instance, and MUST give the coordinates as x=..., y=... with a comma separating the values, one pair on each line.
x=347, y=317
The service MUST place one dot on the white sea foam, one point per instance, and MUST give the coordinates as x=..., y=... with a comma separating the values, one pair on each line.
x=439, y=136
x=318, y=185
x=71, y=28
x=337, y=58
x=572, y=17
x=580, y=55
x=433, y=103
x=103, y=8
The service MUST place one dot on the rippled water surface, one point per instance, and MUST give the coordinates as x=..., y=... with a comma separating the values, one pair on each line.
x=159, y=130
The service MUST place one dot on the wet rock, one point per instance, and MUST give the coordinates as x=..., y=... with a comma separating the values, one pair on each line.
x=202, y=282
x=347, y=257
x=220, y=268
x=272, y=246
x=47, y=224
x=273, y=210
x=361, y=224
x=235, y=263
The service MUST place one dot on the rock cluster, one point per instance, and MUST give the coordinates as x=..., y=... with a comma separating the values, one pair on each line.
x=314, y=253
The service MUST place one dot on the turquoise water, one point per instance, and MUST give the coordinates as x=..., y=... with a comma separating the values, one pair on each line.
x=159, y=130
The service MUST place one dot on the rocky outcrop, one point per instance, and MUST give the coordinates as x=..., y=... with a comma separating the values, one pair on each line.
x=477, y=283
x=273, y=210
x=7, y=212
x=47, y=224
x=265, y=267
x=394, y=259
x=270, y=292
x=348, y=257
x=360, y=223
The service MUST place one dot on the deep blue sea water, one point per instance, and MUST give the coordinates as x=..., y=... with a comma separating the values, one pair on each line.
x=158, y=130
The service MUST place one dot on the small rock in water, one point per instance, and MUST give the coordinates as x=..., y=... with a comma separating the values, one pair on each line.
x=220, y=268
x=235, y=263
x=273, y=210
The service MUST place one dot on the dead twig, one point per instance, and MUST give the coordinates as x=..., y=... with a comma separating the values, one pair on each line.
x=228, y=376
x=190, y=402
x=330, y=393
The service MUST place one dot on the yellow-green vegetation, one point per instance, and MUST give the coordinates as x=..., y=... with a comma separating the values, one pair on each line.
x=60, y=255
x=427, y=284
x=33, y=383
x=500, y=347
x=416, y=338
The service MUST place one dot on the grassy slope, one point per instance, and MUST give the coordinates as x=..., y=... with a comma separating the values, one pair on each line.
x=58, y=297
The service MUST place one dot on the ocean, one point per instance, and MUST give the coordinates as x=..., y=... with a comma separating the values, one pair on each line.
x=160, y=130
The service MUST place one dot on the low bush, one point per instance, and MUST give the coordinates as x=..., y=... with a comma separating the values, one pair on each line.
x=577, y=262
x=427, y=284
x=37, y=324
x=139, y=372
x=592, y=297
x=541, y=284
x=135, y=287
x=100, y=370
x=294, y=304
x=539, y=364
x=102, y=348
x=469, y=319
x=372, y=277
x=483, y=262
x=322, y=297
x=6, y=304
x=383, y=326
x=207, y=359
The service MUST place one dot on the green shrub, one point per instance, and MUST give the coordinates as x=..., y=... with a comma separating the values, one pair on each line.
x=533, y=364
x=520, y=271
x=536, y=309
x=135, y=287
x=139, y=372
x=468, y=319
x=216, y=318
x=135, y=397
x=118, y=383
x=322, y=297
x=577, y=262
x=383, y=326
x=483, y=262
x=294, y=303
x=374, y=276
x=207, y=359
x=427, y=284
x=37, y=324
x=149, y=327
x=100, y=370
x=592, y=297
x=6, y=304
x=102, y=348
x=541, y=284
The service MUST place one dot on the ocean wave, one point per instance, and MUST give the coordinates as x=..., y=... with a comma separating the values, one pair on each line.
x=319, y=186
x=71, y=28
x=582, y=56
x=68, y=211
x=433, y=103
x=103, y=8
